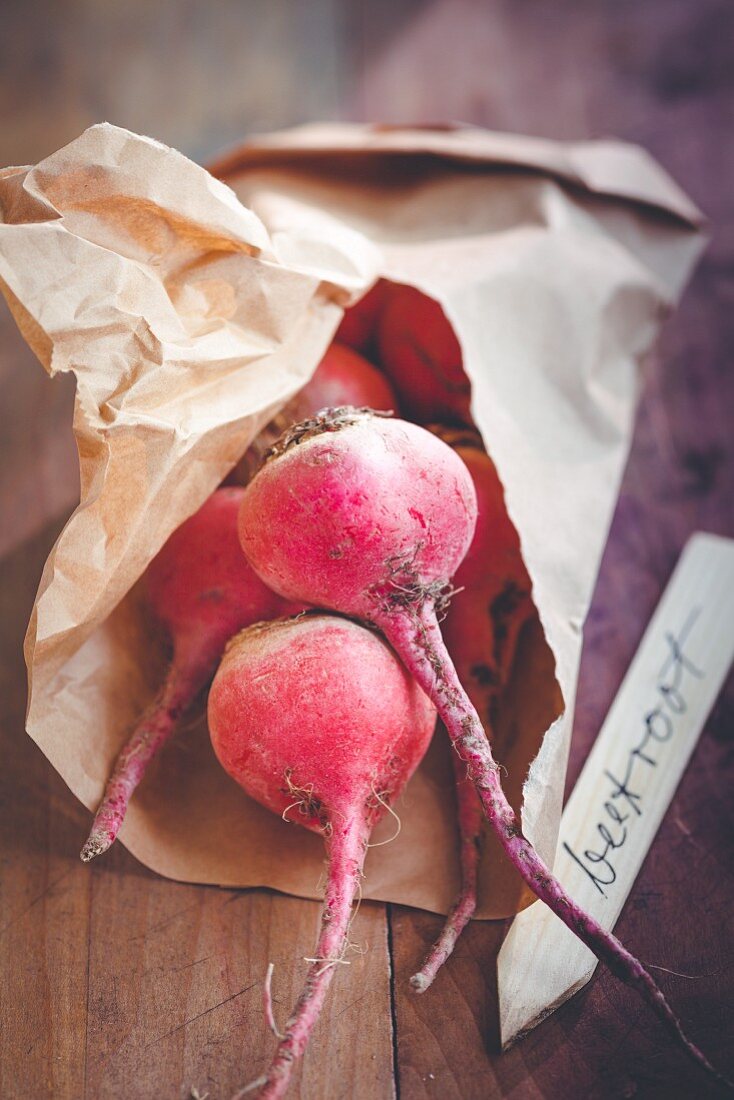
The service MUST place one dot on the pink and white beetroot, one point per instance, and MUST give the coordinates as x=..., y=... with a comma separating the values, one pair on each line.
x=318, y=720
x=201, y=590
x=371, y=517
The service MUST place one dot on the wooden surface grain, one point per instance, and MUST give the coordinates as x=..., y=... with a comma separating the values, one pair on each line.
x=118, y=983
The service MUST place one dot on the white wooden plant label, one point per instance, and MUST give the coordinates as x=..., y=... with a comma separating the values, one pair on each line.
x=627, y=783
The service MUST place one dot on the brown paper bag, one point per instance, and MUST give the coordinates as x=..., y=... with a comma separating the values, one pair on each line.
x=189, y=314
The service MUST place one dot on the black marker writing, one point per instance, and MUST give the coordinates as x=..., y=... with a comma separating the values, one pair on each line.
x=622, y=802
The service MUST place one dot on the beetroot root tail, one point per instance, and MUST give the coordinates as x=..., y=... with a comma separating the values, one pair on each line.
x=150, y=735
x=416, y=636
x=470, y=817
x=346, y=849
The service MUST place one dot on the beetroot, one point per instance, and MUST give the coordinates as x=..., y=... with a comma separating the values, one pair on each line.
x=318, y=720
x=372, y=516
x=359, y=323
x=421, y=356
x=490, y=606
x=202, y=591
x=492, y=602
x=342, y=378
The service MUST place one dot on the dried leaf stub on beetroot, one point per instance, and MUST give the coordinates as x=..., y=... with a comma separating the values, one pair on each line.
x=343, y=377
